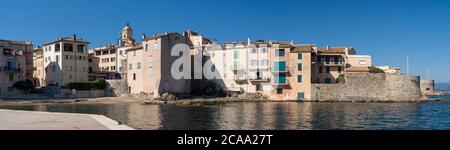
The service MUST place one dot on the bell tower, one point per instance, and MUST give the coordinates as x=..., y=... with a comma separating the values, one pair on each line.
x=127, y=35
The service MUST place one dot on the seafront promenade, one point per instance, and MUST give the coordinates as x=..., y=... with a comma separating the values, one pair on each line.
x=27, y=120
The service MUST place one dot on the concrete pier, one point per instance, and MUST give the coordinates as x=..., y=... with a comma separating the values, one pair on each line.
x=30, y=120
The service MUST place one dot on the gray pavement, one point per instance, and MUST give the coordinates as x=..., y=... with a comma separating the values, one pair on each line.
x=30, y=120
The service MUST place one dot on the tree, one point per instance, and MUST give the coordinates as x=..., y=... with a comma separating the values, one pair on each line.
x=375, y=70
x=26, y=85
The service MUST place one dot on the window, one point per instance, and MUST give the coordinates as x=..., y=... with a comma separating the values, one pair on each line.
x=67, y=56
x=264, y=50
x=254, y=62
x=150, y=59
x=81, y=48
x=98, y=53
x=11, y=77
x=300, y=67
x=280, y=78
x=120, y=52
x=80, y=58
x=254, y=50
x=105, y=52
x=279, y=91
x=70, y=76
x=320, y=70
x=280, y=66
x=57, y=47
x=328, y=80
x=264, y=62
x=68, y=47
x=279, y=52
x=362, y=62
x=236, y=54
x=150, y=71
x=299, y=79
x=336, y=60
x=146, y=47
x=113, y=68
x=10, y=89
x=301, y=96
x=339, y=69
x=327, y=59
x=300, y=56
x=113, y=59
x=130, y=66
x=328, y=69
x=138, y=65
x=319, y=59
x=134, y=76
x=259, y=87
x=134, y=53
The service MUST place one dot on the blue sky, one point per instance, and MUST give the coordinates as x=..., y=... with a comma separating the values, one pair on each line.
x=386, y=29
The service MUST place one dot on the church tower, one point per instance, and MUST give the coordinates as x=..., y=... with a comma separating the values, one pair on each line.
x=126, y=38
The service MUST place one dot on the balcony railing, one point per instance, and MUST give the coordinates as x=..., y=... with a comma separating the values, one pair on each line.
x=333, y=63
x=259, y=79
x=11, y=69
x=240, y=78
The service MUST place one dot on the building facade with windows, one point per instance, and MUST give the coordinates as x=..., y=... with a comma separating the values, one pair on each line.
x=152, y=63
x=38, y=66
x=13, y=65
x=330, y=63
x=277, y=70
x=65, y=61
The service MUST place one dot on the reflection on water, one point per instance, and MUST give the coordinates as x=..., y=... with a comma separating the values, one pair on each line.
x=264, y=116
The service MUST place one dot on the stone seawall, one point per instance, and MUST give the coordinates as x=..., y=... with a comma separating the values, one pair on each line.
x=370, y=87
x=116, y=88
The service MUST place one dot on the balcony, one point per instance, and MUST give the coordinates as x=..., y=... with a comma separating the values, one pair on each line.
x=11, y=69
x=332, y=63
x=237, y=68
x=240, y=78
x=259, y=79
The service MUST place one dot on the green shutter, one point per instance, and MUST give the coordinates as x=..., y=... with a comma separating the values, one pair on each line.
x=300, y=56
x=300, y=67
x=300, y=80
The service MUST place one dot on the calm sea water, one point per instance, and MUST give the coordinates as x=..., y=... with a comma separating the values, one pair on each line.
x=263, y=116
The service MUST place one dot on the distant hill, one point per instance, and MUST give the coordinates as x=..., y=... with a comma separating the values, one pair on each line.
x=445, y=86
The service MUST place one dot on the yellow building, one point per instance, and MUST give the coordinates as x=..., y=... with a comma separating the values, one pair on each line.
x=38, y=67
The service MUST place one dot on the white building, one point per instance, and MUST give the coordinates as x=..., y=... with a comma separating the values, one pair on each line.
x=65, y=61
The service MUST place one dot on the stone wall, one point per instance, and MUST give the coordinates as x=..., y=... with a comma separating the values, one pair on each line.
x=427, y=87
x=116, y=88
x=67, y=93
x=370, y=87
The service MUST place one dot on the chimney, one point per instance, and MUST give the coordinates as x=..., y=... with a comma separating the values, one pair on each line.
x=328, y=47
x=248, y=41
x=143, y=36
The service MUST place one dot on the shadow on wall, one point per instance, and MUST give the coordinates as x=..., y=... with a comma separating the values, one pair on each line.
x=205, y=87
x=53, y=75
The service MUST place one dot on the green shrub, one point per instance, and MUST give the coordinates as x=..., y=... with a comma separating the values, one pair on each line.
x=341, y=78
x=98, y=84
x=375, y=70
